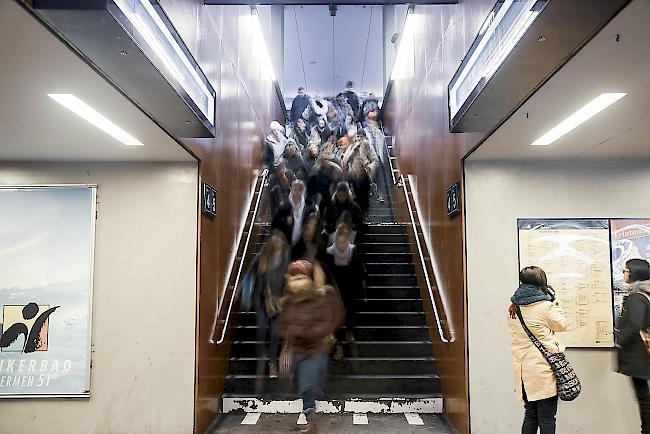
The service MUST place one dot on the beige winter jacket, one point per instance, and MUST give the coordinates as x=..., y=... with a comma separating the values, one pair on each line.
x=544, y=319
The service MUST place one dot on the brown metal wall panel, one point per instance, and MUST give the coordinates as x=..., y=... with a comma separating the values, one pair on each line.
x=221, y=42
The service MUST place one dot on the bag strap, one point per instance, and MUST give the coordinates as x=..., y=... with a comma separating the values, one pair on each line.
x=542, y=349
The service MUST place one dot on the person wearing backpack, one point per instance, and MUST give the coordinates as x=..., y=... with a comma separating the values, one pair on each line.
x=535, y=381
x=633, y=358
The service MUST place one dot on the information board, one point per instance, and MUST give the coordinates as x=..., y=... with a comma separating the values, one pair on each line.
x=575, y=254
x=46, y=267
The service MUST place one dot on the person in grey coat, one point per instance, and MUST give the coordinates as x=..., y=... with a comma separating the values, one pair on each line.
x=633, y=359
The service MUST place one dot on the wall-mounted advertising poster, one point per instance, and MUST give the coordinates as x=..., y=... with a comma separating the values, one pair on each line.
x=630, y=240
x=46, y=271
x=575, y=255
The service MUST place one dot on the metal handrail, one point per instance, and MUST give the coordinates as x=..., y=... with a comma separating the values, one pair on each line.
x=390, y=159
x=424, y=267
x=241, y=262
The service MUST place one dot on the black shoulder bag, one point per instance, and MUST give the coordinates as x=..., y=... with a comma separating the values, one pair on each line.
x=568, y=384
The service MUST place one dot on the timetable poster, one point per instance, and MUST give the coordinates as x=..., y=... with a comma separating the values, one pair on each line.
x=630, y=240
x=575, y=255
x=46, y=264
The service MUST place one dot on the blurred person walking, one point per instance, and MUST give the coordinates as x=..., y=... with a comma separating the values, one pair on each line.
x=269, y=267
x=633, y=358
x=535, y=381
x=300, y=103
x=312, y=313
x=293, y=212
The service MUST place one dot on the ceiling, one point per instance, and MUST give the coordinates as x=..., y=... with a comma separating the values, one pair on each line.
x=333, y=50
x=33, y=127
x=603, y=65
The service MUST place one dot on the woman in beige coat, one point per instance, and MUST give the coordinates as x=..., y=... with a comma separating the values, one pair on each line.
x=534, y=379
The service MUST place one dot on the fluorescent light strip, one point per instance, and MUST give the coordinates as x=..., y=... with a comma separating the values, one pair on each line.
x=261, y=41
x=82, y=109
x=591, y=109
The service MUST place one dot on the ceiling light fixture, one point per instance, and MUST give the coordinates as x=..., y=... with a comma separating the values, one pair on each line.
x=91, y=115
x=259, y=46
x=585, y=113
x=404, y=63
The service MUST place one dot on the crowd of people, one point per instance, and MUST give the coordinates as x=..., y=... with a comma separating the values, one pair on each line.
x=536, y=317
x=322, y=170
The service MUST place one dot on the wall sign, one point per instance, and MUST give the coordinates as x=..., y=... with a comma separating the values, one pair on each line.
x=209, y=200
x=453, y=199
x=46, y=275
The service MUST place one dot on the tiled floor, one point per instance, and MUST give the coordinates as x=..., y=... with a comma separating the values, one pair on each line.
x=334, y=423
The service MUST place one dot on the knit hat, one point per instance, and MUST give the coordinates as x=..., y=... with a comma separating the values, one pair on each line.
x=275, y=125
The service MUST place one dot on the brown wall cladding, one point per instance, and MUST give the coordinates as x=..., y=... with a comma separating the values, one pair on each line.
x=416, y=114
x=221, y=40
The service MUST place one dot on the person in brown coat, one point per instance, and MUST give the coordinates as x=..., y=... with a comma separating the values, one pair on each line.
x=312, y=311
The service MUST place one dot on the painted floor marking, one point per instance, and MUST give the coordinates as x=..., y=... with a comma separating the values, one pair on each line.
x=360, y=419
x=251, y=418
x=302, y=420
x=414, y=419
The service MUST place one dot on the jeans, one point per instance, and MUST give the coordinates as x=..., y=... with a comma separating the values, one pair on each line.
x=264, y=323
x=310, y=372
x=539, y=414
x=643, y=398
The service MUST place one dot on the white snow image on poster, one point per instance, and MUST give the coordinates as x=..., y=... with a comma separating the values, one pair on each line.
x=46, y=263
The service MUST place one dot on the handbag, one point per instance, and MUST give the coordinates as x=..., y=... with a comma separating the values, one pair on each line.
x=272, y=303
x=246, y=287
x=566, y=380
x=645, y=333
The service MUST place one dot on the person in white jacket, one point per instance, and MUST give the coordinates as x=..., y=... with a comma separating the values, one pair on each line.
x=534, y=379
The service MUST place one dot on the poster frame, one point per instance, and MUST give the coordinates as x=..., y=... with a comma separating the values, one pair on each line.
x=611, y=281
x=93, y=220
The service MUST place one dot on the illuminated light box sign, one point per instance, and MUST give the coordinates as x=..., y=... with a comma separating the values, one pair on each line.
x=46, y=268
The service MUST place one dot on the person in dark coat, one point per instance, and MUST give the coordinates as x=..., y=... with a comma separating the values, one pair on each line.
x=341, y=202
x=269, y=268
x=294, y=161
x=299, y=104
x=352, y=99
x=293, y=213
x=359, y=181
x=323, y=130
x=633, y=359
x=319, y=186
x=310, y=246
x=301, y=133
x=344, y=265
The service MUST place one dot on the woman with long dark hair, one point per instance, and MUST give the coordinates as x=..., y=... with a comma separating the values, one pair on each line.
x=633, y=359
x=534, y=379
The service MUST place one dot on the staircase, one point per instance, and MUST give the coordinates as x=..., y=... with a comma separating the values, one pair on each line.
x=390, y=369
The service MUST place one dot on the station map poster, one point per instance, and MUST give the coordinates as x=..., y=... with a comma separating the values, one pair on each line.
x=630, y=240
x=575, y=254
x=46, y=263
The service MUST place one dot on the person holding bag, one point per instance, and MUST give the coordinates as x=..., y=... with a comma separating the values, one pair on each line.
x=535, y=318
x=633, y=358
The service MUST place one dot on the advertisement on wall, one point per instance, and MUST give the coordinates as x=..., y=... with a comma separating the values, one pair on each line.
x=630, y=240
x=46, y=270
x=575, y=255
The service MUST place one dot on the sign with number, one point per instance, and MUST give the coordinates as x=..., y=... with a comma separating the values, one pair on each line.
x=209, y=200
x=453, y=199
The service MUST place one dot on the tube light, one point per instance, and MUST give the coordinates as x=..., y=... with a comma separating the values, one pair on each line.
x=503, y=28
x=589, y=110
x=150, y=25
x=91, y=115
x=403, y=65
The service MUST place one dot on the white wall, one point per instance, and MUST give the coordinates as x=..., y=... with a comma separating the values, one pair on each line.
x=497, y=193
x=143, y=331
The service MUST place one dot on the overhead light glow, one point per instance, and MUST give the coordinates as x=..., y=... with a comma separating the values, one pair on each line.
x=404, y=63
x=503, y=28
x=82, y=109
x=151, y=29
x=591, y=109
x=260, y=49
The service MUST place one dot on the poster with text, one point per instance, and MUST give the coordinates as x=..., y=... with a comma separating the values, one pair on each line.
x=575, y=255
x=630, y=240
x=46, y=263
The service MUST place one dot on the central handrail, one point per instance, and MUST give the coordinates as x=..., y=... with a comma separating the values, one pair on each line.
x=241, y=262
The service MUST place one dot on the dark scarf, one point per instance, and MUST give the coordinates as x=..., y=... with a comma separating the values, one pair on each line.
x=529, y=294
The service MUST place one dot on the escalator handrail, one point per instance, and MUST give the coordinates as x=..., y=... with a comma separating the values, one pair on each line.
x=262, y=184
